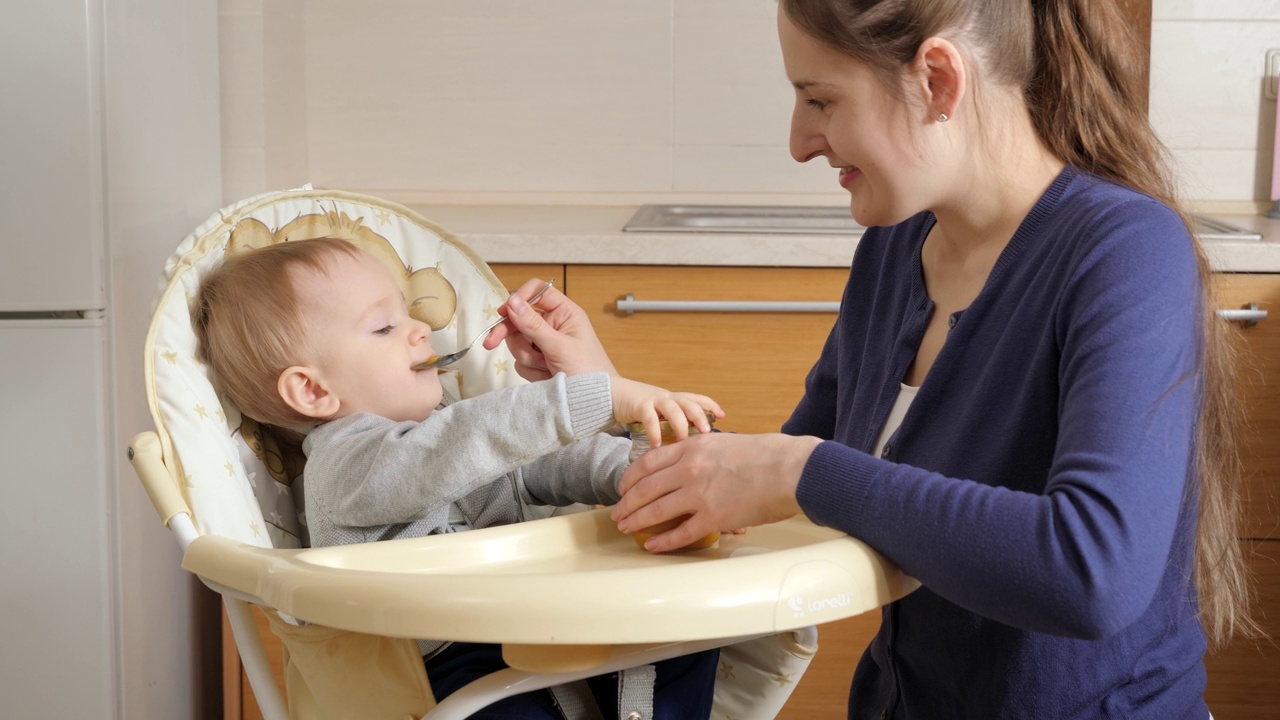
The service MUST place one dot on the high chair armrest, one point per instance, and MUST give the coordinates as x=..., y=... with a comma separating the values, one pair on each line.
x=148, y=463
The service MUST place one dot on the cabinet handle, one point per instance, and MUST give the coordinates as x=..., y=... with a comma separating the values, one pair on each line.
x=630, y=306
x=1249, y=315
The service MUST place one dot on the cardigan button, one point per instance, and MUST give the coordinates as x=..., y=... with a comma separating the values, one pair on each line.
x=887, y=451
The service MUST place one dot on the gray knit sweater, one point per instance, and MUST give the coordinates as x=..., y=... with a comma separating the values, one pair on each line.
x=471, y=464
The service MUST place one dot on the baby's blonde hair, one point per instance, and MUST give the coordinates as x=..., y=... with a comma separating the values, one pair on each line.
x=249, y=323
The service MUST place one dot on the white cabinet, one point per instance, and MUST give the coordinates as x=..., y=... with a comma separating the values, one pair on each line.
x=55, y=558
x=51, y=156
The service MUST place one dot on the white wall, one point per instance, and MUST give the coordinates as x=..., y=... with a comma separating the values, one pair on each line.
x=611, y=99
x=162, y=178
x=623, y=101
x=1207, y=103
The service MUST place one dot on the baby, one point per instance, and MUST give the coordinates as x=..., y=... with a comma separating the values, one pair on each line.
x=315, y=336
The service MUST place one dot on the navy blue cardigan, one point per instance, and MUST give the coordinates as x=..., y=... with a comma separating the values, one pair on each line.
x=1041, y=484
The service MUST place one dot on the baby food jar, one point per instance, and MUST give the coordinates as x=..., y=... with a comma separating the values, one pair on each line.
x=640, y=444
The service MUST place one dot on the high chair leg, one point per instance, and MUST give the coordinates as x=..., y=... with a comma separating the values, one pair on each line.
x=254, y=658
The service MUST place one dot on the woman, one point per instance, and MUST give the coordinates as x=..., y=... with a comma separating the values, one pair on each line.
x=1025, y=401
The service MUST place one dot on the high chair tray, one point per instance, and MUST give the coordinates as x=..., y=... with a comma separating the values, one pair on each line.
x=572, y=579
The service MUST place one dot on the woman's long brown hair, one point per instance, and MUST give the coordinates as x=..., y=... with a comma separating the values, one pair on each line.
x=1079, y=65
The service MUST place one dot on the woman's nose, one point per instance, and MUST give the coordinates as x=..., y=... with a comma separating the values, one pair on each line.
x=806, y=142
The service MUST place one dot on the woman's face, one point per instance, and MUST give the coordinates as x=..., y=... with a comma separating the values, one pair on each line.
x=844, y=114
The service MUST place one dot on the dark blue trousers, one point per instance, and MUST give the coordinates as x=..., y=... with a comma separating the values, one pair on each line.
x=683, y=689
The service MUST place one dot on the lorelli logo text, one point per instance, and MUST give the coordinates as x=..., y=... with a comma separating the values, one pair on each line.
x=799, y=605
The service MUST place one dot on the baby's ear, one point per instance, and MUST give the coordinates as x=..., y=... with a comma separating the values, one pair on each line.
x=303, y=390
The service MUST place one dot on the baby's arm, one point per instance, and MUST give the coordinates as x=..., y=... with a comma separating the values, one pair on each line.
x=586, y=472
x=376, y=472
x=589, y=470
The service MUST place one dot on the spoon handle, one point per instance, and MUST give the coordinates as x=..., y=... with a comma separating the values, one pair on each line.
x=449, y=359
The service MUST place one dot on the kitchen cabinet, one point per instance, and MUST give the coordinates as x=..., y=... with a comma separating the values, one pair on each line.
x=1242, y=676
x=755, y=363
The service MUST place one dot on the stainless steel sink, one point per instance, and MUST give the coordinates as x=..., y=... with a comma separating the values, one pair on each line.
x=777, y=219
x=810, y=220
x=1214, y=229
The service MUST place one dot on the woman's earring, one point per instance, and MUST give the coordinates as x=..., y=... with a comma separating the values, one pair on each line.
x=942, y=117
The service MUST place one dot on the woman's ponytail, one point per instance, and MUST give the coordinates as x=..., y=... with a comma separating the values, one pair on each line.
x=1087, y=106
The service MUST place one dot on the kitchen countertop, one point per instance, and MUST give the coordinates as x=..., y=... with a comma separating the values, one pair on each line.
x=592, y=235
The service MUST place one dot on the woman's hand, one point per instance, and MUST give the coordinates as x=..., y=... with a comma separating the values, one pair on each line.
x=637, y=402
x=555, y=336
x=721, y=481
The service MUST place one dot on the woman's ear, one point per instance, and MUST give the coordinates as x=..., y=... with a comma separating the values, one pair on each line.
x=943, y=77
x=303, y=390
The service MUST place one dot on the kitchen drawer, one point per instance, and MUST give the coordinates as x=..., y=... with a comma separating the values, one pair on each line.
x=1259, y=364
x=753, y=363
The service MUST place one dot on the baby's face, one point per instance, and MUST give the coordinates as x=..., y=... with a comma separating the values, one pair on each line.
x=363, y=342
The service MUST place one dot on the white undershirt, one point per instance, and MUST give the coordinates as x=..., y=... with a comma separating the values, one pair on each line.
x=906, y=393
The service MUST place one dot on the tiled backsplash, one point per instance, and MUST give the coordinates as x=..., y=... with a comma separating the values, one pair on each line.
x=624, y=101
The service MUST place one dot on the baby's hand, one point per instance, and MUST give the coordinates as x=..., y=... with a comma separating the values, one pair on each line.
x=637, y=402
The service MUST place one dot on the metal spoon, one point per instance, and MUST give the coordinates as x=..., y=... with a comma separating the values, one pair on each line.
x=436, y=361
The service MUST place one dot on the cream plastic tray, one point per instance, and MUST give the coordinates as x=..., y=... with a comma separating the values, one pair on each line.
x=572, y=579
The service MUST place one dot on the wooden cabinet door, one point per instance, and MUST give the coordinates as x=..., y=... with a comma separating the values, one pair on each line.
x=754, y=364
x=1259, y=372
x=1244, y=677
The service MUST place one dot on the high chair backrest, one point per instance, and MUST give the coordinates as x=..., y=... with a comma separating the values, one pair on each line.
x=234, y=478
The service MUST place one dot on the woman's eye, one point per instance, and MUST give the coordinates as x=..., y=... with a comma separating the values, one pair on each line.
x=815, y=103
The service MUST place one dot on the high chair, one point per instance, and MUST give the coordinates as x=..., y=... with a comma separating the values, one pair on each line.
x=567, y=596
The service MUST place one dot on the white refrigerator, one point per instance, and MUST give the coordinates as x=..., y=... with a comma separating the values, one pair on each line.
x=56, y=520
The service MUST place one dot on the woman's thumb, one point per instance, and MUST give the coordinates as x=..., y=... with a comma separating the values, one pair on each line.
x=528, y=322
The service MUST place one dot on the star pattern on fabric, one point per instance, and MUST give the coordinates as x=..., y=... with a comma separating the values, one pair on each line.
x=384, y=217
x=500, y=366
x=231, y=469
x=491, y=311
x=186, y=481
x=783, y=679
x=170, y=356
x=201, y=411
x=726, y=671
x=257, y=532
x=221, y=415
